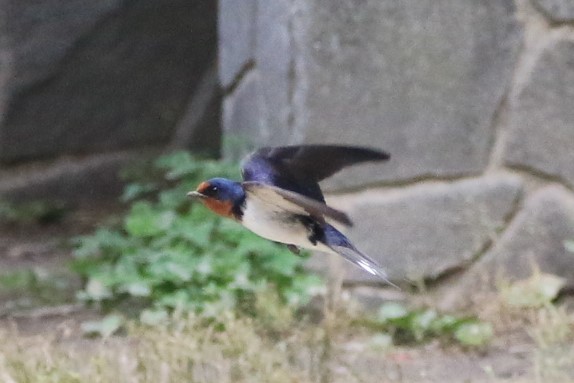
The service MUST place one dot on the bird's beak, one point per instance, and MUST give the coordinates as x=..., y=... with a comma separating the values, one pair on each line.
x=195, y=195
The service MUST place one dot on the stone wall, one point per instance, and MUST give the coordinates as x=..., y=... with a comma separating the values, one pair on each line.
x=79, y=78
x=473, y=98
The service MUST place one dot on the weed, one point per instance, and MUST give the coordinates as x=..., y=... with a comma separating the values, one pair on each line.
x=552, y=329
x=408, y=326
x=37, y=211
x=184, y=349
x=527, y=309
x=538, y=290
x=168, y=254
x=22, y=289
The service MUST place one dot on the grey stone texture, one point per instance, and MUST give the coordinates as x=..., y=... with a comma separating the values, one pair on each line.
x=264, y=102
x=406, y=76
x=199, y=128
x=84, y=180
x=451, y=88
x=541, y=132
x=535, y=238
x=431, y=229
x=92, y=76
x=236, y=27
x=274, y=58
x=242, y=116
x=37, y=35
x=556, y=10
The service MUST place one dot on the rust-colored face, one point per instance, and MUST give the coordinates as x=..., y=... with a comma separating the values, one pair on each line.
x=209, y=199
x=202, y=187
x=219, y=207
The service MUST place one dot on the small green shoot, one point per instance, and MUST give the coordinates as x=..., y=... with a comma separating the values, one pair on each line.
x=26, y=288
x=105, y=327
x=537, y=291
x=30, y=212
x=416, y=326
x=473, y=333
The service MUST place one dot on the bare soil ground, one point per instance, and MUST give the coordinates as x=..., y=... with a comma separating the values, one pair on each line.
x=514, y=355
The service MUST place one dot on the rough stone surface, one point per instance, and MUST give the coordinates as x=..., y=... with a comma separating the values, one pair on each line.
x=426, y=230
x=39, y=34
x=69, y=179
x=236, y=37
x=119, y=81
x=199, y=128
x=541, y=135
x=557, y=10
x=421, y=79
x=404, y=76
x=535, y=237
x=274, y=57
x=242, y=116
x=263, y=96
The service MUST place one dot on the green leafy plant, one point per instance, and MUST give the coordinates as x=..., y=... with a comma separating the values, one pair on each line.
x=539, y=290
x=35, y=211
x=169, y=254
x=416, y=326
x=28, y=288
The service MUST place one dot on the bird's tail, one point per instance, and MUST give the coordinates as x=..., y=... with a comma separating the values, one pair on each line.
x=341, y=245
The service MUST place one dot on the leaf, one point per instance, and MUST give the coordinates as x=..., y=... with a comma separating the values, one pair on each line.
x=137, y=289
x=301, y=289
x=420, y=324
x=178, y=164
x=144, y=221
x=96, y=290
x=175, y=198
x=106, y=327
x=446, y=324
x=38, y=211
x=474, y=333
x=153, y=317
x=137, y=190
x=536, y=291
x=391, y=310
x=195, y=231
x=281, y=263
x=425, y=319
x=381, y=342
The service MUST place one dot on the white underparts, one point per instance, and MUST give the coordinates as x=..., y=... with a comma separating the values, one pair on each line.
x=277, y=224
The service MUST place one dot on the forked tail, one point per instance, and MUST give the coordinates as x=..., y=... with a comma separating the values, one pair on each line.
x=341, y=245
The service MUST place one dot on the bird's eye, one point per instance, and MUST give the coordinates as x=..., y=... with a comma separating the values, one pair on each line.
x=211, y=191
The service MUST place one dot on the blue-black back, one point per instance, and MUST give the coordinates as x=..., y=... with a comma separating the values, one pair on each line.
x=300, y=168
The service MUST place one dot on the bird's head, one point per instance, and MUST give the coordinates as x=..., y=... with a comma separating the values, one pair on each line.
x=219, y=195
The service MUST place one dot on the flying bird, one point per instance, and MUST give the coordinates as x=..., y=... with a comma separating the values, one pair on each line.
x=280, y=198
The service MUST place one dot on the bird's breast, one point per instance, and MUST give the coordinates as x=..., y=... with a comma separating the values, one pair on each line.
x=276, y=224
x=223, y=208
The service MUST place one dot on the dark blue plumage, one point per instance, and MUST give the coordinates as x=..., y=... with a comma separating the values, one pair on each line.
x=301, y=168
x=280, y=198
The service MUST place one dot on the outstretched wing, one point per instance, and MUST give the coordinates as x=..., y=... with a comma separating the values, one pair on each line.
x=300, y=168
x=293, y=202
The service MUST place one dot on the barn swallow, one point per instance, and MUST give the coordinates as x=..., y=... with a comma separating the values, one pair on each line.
x=280, y=198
